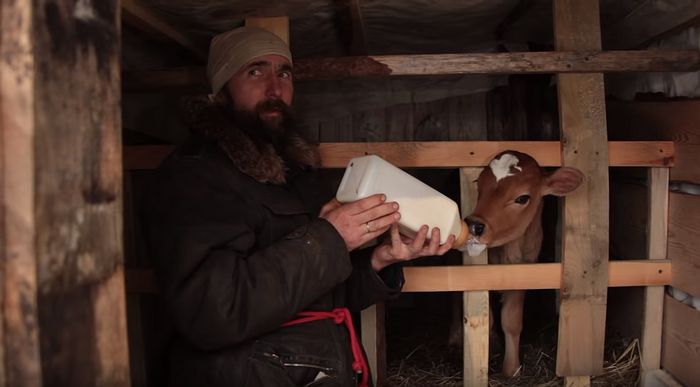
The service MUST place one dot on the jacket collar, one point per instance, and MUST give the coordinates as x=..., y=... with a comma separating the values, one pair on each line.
x=259, y=160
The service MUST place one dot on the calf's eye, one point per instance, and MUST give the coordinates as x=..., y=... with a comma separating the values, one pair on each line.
x=522, y=199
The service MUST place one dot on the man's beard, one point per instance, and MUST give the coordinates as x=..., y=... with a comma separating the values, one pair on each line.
x=274, y=130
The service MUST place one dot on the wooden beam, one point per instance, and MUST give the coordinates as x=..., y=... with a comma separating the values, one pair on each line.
x=135, y=13
x=527, y=276
x=635, y=30
x=475, y=319
x=278, y=25
x=657, y=231
x=63, y=307
x=585, y=245
x=481, y=277
x=452, y=64
x=20, y=357
x=445, y=154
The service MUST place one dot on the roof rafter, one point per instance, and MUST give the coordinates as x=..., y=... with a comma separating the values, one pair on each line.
x=635, y=31
x=139, y=16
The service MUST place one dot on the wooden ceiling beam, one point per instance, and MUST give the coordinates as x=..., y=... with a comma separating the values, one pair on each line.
x=649, y=22
x=137, y=15
x=445, y=64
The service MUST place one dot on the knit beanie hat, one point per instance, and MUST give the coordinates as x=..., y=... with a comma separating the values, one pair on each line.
x=230, y=51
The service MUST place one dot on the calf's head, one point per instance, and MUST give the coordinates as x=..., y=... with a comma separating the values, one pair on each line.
x=510, y=194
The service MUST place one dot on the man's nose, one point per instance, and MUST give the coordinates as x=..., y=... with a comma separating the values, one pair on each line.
x=274, y=87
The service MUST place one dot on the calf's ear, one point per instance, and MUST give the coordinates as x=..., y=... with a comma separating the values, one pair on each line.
x=562, y=181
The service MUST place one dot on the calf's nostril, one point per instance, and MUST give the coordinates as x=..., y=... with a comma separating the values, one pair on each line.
x=475, y=227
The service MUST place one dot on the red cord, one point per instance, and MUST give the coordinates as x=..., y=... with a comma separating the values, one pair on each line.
x=339, y=316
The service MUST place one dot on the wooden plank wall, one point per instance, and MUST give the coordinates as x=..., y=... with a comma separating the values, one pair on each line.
x=680, y=355
x=63, y=306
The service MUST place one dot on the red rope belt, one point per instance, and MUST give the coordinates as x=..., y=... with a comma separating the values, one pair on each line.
x=339, y=316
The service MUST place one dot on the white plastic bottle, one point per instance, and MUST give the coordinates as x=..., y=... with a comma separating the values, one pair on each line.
x=419, y=203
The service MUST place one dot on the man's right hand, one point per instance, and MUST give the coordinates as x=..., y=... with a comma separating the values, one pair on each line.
x=361, y=221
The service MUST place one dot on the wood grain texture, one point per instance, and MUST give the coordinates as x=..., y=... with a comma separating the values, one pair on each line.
x=681, y=342
x=475, y=303
x=585, y=242
x=445, y=154
x=656, y=249
x=77, y=201
x=586, y=61
x=684, y=241
x=20, y=358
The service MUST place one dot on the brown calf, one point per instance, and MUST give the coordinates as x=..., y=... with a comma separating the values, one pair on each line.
x=508, y=220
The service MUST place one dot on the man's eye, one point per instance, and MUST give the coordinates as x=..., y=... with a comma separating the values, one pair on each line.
x=522, y=199
x=285, y=75
x=254, y=72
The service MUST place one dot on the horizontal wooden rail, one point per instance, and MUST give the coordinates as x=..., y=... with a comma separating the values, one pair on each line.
x=527, y=276
x=499, y=63
x=443, y=64
x=445, y=154
x=484, y=277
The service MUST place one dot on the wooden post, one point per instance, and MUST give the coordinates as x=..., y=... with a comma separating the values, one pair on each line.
x=63, y=309
x=476, y=303
x=585, y=239
x=374, y=341
x=657, y=226
x=19, y=349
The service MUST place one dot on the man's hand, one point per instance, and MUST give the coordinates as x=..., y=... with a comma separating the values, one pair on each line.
x=361, y=221
x=402, y=248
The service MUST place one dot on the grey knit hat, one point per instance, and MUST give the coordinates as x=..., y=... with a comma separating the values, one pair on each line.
x=230, y=51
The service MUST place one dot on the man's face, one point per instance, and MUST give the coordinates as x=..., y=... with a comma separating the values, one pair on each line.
x=261, y=87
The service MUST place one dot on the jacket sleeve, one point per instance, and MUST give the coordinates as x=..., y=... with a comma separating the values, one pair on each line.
x=221, y=288
x=366, y=287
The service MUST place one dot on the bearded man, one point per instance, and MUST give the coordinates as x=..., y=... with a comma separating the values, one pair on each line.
x=258, y=265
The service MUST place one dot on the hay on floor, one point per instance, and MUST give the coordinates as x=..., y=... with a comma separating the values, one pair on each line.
x=429, y=361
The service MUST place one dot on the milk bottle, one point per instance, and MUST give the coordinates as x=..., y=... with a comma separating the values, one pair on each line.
x=419, y=204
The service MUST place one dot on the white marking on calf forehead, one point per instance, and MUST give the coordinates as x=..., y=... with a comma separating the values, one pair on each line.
x=501, y=167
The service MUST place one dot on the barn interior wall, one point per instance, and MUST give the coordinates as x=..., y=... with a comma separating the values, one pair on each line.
x=677, y=120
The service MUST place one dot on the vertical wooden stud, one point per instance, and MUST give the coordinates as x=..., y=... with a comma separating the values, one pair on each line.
x=657, y=229
x=476, y=304
x=585, y=239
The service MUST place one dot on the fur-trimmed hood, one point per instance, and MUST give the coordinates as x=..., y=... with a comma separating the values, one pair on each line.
x=259, y=160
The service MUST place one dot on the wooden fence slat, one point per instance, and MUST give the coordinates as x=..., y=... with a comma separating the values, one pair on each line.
x=445, y=154
x=528, y=276
x=584, y=286
x=475, y=321
x=657, y=226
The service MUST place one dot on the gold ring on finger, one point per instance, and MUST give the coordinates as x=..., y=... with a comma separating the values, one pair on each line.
x=367, y=227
